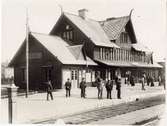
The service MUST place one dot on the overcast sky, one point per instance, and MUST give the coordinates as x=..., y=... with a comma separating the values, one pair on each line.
x=148, y=17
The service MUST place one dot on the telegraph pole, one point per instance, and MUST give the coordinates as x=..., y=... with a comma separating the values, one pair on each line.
x=27, y=54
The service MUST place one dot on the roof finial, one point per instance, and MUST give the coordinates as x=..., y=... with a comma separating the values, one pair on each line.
x=61, y=8
x=131, y=12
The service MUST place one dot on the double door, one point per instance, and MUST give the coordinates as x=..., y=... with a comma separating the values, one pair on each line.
x=74, y=78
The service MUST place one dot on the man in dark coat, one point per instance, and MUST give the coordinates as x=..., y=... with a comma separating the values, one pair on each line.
x=83, y=87
x=143, y=81
x=148, y=80
x=109, y=86
x=152, y=81
x=159, y=80
x=99, y=87
x=132, y=80
x=49, y=90
x=68, y=88
x=118, y=86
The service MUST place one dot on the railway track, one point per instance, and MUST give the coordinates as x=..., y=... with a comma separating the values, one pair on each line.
x=107, y=112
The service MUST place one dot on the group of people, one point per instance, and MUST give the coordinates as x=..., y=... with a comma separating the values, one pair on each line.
x=144, y=79
x=100, y=84
x=82, y=87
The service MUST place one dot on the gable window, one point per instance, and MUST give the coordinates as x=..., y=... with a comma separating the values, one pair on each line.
x=35, y=55
x=68, y=33
x=124, y=37
x=101, y=53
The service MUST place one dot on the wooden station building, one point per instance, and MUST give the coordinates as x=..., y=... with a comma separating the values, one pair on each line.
x=79, y=47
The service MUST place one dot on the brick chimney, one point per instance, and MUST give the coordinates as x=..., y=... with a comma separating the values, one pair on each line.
x=83, y=13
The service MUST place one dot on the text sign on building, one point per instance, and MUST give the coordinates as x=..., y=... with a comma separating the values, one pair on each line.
x=35, y=55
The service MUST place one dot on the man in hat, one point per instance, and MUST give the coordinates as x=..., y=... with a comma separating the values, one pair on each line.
x=118, y=85
x=109, y=86
x=49, y=90
x=83, y=87
x=68, y=88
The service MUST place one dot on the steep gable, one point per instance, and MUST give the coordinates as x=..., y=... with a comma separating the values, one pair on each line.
x=113, y=27
x=90, y=28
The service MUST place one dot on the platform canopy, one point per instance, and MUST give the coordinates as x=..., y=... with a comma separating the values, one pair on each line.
x=115, y=63
x=145, y=65
x=129, y=64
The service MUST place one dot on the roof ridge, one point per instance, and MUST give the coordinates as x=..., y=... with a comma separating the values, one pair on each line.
x=113, y=18
x=46, y=34
x=80, y=17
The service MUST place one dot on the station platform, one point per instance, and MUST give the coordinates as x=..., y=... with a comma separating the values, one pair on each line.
x=36, y=107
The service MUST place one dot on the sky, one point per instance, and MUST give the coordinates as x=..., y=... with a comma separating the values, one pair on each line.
x=148, y=18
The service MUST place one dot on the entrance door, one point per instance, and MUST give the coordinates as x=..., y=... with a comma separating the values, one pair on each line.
x=74, y=78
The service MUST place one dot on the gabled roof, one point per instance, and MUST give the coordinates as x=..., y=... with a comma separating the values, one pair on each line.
x=59, y=48
x=56, y=45
x=114, y=26
x=91, y=29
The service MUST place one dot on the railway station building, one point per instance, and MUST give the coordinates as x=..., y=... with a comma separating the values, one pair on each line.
x=78, y=47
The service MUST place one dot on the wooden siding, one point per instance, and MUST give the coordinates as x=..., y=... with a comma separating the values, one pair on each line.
x=36, y=74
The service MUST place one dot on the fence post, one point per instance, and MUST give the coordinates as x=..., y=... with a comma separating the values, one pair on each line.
x=10, y=102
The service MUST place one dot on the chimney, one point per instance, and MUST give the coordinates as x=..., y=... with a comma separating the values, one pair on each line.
x=82, y=13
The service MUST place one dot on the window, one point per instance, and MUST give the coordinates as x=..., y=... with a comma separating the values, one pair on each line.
x=118, y=54
x=104, y=53
x=115, y=54
x=67, y=27
x=68, y=33
x=107, y=55
x=124, y=37
x=101, y=53
x=72, y=75
x=112, y=54
x=35, y=55
x=75, y=74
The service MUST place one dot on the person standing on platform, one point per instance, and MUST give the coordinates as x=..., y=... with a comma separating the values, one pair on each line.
x=143, y=81
x=132, y=80
x=99, y=87
x=148, y=80
x=152, y=81
x=49, y=90
x=83, y=88
x=68, y=88
x=109, y=86
x=159, y=80
x=118, y=85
